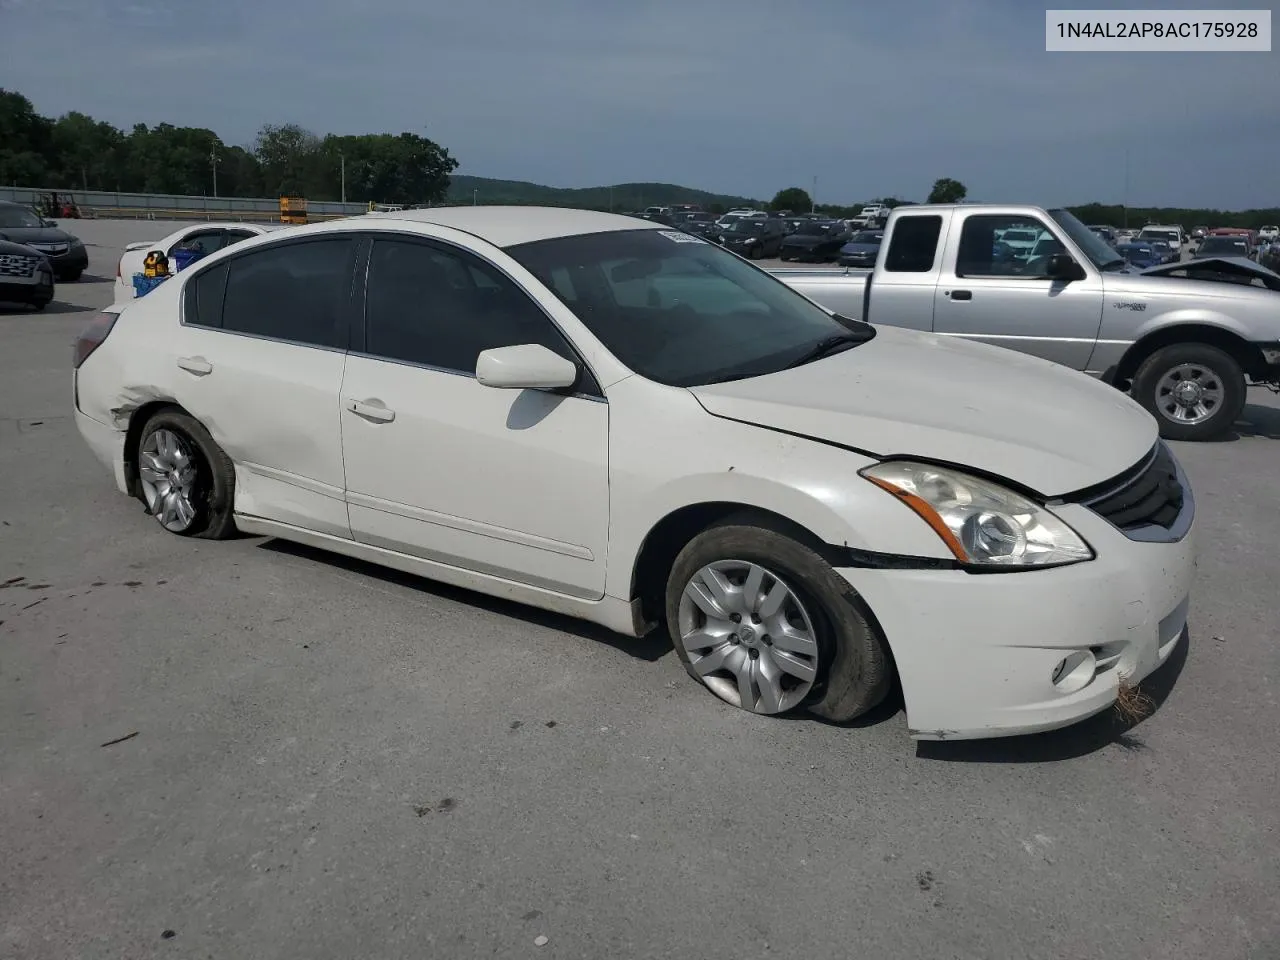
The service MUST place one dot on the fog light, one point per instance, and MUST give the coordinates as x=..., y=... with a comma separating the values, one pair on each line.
x=1074, y=672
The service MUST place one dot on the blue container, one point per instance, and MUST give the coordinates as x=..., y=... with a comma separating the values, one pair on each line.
x=143, y=285
x=184, y=258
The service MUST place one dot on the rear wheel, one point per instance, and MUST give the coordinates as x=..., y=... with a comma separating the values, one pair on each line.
x=185, y=478
x=767, y=625
x=1194, y=390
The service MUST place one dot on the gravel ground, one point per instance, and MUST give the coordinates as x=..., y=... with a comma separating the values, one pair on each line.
x=318, y=758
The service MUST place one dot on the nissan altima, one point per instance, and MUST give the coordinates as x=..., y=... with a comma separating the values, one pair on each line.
x=626, y=423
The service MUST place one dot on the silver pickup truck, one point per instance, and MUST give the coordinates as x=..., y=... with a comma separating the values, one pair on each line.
x=1185, y=339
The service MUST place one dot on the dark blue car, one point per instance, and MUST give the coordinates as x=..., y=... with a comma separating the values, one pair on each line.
x=862, y=249
x=1141, y=255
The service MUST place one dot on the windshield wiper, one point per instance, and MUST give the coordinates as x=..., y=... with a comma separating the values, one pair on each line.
x=828, y=346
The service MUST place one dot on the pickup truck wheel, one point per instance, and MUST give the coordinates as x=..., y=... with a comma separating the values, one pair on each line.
x=767, y=625
x=1194, y=390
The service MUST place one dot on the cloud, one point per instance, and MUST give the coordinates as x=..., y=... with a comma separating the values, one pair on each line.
x=744, y=96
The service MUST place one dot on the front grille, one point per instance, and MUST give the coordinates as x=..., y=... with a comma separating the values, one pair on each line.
x=54, y=249
x=18, y=264
x=1149, y=494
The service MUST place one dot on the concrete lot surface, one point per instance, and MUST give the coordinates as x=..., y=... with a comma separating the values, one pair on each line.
x=321, y=759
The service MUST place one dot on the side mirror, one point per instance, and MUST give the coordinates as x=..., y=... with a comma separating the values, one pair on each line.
x=1062, y=266
x=527, y=366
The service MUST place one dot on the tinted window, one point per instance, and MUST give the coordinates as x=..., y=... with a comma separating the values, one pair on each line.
x=442, y=308
x=203, y=297
x=1001, y=246
x=235, y=236
x=681, y=311
x=297, y=291
x=914, y=244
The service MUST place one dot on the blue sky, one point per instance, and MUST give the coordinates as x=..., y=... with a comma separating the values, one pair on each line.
x=737, y=96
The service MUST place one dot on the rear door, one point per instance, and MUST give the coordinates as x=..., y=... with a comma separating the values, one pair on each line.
x=259, y=358
x=988, y=293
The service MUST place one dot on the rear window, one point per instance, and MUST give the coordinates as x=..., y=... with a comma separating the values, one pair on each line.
x=203, y=297
x=914, y=244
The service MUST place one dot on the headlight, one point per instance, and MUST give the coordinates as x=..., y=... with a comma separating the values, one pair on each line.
x=983, y=524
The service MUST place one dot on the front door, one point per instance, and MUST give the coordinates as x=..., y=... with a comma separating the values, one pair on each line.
x=510, y=483
x=999, y=292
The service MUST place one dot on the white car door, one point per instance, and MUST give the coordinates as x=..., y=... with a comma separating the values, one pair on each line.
x=510, y=483
x=259, y=360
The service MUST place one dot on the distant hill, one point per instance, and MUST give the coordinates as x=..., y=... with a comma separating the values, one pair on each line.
x=621, y=197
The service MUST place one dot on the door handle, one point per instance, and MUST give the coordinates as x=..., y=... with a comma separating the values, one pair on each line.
x=196, y=365
x=961, y=294
x=374, y=410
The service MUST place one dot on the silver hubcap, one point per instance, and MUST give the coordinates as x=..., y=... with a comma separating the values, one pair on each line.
x=168, y=475
x=748, y=636
x=1189, y=393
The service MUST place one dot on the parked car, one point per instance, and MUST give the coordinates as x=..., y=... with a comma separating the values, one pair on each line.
x=1185, y=345
x=700, y=224
x=1105, y=232
x=1163, y=250
x=816, y=241
x=1140, y=255
x=558, y=407
x=200, y=239
x=754, y=238
x=1169, y=234
x=66, y=253
x=26, y=276
x=1268, y=234
x=1223, y=247
x=861, y=250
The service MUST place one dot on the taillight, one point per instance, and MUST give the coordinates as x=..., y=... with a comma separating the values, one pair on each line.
x=92, y=336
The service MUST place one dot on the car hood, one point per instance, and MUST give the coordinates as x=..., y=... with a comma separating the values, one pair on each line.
x=1210, y=269
x=903, y=393
x=35, y=235
x=804, y=239
x=871, y=248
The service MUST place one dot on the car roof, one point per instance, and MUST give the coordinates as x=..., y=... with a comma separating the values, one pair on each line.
x=509, y=226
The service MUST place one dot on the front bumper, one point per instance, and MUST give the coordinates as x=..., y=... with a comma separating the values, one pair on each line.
x=36, y=289
x=976, y=653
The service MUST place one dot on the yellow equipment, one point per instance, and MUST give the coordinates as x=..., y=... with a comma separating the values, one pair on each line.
x=293, y=210
x=155, y=265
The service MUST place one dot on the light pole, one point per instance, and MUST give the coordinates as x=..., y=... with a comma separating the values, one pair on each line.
x=342, y=165
x=474, y=194
x=1124, y=199
x=213, y=164
x=813, y=197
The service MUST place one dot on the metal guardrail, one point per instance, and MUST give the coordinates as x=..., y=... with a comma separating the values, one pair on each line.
x=166, y=206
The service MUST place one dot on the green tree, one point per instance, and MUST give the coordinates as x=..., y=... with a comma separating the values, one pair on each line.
x=289, y=158
x=24, y=141
x=947, y=190
x=792, y=198
x=86, y=153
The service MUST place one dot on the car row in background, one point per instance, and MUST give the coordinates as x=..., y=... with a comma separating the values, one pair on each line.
x=33, y=252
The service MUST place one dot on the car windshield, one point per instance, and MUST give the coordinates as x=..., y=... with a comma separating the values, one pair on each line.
x=1100, y=253
x=867, y=236
x=754, y=227
x=681, y=311
x=18, y=217
x=1223, y=245
x=815, y=228
x=1132, y=250
x=1168, y=236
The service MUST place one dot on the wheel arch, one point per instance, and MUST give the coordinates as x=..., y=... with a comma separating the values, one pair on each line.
x=1243, y=352
x=666, y=538
x=133, y=435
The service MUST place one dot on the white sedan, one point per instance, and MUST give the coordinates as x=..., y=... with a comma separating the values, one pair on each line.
x=204, y=238
x=627, y=424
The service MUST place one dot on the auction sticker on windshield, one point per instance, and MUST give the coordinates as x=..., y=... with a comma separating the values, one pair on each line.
x=1156, y=31
x=679, y=237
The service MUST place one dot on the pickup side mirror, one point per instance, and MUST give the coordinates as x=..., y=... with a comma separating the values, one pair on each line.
x=527, y=366
x=1062, y=266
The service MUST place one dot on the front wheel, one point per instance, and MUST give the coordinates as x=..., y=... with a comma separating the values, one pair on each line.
x=1194, y=390
x=767, y=625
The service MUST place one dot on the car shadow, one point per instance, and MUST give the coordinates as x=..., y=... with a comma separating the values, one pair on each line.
x=19, y=309
x=1254, y=421
x=1070, y=743
x=649, y=648
x=91, y=278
